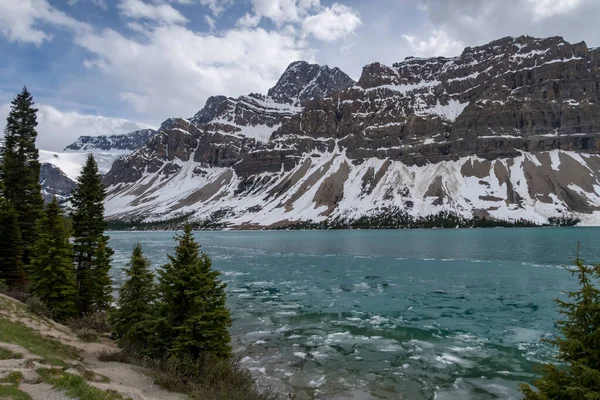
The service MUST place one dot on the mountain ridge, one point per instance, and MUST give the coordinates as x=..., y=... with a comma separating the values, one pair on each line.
x=356, y=146
x=59, y=170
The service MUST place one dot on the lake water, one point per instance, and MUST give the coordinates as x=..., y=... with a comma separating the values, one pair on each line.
x=415, y=314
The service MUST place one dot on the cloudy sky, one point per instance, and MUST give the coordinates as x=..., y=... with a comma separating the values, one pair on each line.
x=112, y=66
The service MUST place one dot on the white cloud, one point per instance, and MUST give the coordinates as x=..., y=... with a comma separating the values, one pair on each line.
x=172, y=70
x=19, y=20
x=100, y=3
x=332, y=23
x=249, y=21
x=476, y=22
x=438, y=44
x=323, y=23
x=211, y=22
x=162, y=13
x=283, y=11
x=216, y=6
x=57, y=129
x=546, y=8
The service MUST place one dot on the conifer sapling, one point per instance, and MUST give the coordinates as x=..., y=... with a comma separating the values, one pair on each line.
x=131, y=318
x=192, y=316
x=52, y=273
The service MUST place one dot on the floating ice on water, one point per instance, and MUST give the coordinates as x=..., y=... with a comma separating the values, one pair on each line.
x=449, y=359
x=377, y=320
x=234, y=273
x=362, y=286
x=318, y=382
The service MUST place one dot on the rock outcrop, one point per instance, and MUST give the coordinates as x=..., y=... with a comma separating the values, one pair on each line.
x=519, y=115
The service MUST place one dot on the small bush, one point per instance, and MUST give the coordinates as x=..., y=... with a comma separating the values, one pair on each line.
x=17, y=294
x=116, y=356
x=208, y=377
x=87, y=334
x=97, y=322
x=36, y=306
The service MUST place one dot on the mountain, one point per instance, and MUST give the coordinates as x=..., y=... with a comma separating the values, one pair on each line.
x=113, y=143
x=508, y=130
x=59, y=170
x=55, y=183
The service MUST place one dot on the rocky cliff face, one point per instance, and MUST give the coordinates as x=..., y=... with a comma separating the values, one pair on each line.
x=510, y=129
x=127, y=142
x=55, y=183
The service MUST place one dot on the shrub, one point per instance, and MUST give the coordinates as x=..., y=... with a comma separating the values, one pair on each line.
x=36, y=306
x=97, y=322
x=206, y=377
x=87, y=334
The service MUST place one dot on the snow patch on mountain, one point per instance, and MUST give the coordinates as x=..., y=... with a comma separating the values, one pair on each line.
x=70, y=163
x=420, y=190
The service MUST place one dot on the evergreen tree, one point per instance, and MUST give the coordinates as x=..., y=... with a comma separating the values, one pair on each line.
x=191, y=314
x=88, y=227
x=52, y=273
x=578, y=346
x=11, y=267
x=20, y=170
x=130, y=320
x=102, y=283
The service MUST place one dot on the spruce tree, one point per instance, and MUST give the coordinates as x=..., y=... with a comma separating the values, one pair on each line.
x=101, y=296
x=52, y=273
x=20, y=170
x=191, y=314
x=88, y=226
x=130, y=320
x=578, y=378
x=11, y=266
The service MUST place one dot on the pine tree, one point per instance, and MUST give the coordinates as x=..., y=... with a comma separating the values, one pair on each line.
x=88, y=227
x=578, y=346
x=191, y=314
x=20, y=171
x=52, y=273
x=130, y=320
x=101, y=296
x=11, y=267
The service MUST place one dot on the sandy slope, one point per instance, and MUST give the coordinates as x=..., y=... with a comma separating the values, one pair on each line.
x=128, y=380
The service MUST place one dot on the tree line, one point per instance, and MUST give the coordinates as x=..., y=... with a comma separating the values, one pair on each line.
x=63, y=264
x=63, y=259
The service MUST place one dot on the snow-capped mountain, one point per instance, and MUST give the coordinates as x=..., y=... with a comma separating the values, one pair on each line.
x=112, y=143
x=59, y=170
x=507, y=130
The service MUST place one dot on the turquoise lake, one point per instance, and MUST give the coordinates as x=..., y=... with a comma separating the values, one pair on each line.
x=414, y=314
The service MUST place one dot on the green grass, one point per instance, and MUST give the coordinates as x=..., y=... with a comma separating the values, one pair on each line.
x=13, y=378
x=12, y=392
x=49, y=349
x=90, y=375
x=75, y=386
x=6, y=354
